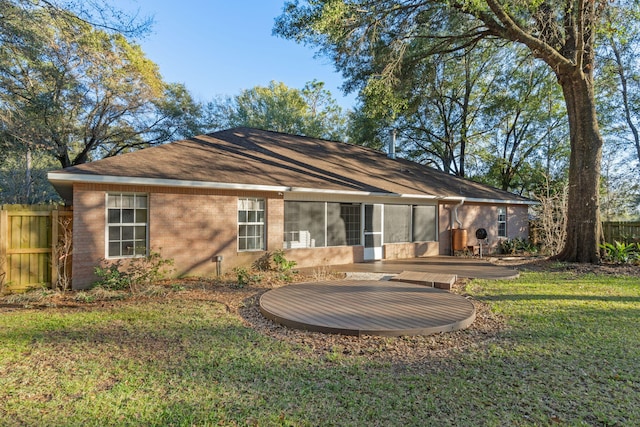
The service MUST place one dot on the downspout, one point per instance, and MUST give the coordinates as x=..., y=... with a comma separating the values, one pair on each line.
x=454, y=218
x=455, y=214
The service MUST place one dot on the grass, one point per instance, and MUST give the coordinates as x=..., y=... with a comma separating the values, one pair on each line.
x=569, y=356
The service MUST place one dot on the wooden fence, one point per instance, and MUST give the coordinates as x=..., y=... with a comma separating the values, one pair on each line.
x=35, y=247
x=623, y=231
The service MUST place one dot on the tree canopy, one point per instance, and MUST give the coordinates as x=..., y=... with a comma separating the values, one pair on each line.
x=374, y=42
x=74, y=88
x=81, y=93
x=310, y=111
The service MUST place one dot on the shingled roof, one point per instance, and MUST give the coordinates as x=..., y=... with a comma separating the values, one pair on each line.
x=244, y=158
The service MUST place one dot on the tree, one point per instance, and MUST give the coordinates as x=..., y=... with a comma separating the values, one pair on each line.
x=371, y=41
x=79, y=93
x=325, y=117
x=483, y=113
x=622, y=61
x=276, y=107
x=97, y=13
x=23, y=178
x=368, y=131
x=444, y=96
x=620, y=188
x=522, y=116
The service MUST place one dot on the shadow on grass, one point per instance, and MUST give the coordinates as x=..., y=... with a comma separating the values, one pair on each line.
x=559, y=297
x=191, y=362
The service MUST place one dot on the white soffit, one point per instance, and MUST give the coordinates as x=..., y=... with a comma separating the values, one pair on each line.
x=69, y=178
x=158, y=182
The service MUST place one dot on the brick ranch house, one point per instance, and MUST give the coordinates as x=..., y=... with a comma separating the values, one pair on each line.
x=229, y=196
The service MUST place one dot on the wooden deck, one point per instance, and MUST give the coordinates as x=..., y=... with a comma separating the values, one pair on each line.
x=437, y=280
x=367, y=307
x=472, y=268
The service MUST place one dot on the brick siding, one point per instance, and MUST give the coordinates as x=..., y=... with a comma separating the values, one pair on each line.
x=190, y=226
x=475, y=216
x=193, y=226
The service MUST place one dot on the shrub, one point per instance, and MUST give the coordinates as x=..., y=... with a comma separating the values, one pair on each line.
x=150, y=269
x=282, y=264
x=621, y=253
x=132, y=273
x=112, y=278
x=517, y=246
x=507, y=247
x=270, y=261
x=263, y=263
x=246, y=277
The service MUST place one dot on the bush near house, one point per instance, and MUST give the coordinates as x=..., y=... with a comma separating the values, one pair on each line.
x=517, y=246
x=133, y=273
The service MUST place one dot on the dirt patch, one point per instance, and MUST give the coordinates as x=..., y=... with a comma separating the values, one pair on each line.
x=543, y=264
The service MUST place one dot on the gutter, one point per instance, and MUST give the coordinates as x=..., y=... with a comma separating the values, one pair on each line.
x=62, y=178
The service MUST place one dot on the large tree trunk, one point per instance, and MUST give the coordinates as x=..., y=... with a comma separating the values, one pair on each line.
x=584, y=228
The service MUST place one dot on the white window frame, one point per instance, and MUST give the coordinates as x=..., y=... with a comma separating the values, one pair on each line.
x=502, y=221
x=258, y=219
x=113, y=202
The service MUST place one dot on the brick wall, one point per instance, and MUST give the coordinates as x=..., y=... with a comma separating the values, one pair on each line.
x=517, y=222
x=475, y=216
x=410, y=250
x=193, y=226
x=336, y=255
x=190, y=226
x=88, y=235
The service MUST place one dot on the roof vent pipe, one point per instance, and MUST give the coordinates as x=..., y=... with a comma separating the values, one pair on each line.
x=392, y=145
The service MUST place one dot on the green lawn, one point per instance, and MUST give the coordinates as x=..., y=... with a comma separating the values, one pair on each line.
x=570, y=356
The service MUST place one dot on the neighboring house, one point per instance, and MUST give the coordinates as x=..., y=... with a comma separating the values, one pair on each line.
x=232, y=195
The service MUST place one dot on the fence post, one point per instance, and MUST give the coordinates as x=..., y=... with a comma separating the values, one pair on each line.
x=54, y=248
x=4, y=245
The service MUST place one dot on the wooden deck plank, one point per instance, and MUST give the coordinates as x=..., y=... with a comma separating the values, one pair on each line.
x=437, y=280
x=356, y=307
x=462, y=267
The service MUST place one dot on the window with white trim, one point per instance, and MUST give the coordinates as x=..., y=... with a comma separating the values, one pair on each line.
x=502, y=221
x=127, y=225
x=251, y=222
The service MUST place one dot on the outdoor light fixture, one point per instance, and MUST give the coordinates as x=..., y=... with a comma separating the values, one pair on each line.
x=218, y=260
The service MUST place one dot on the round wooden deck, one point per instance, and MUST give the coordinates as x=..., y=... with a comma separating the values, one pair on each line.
x=367, y=307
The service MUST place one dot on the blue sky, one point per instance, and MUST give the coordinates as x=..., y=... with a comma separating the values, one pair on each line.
x=220, y=47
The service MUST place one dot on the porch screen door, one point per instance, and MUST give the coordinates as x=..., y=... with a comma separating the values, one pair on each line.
x=373, y=232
